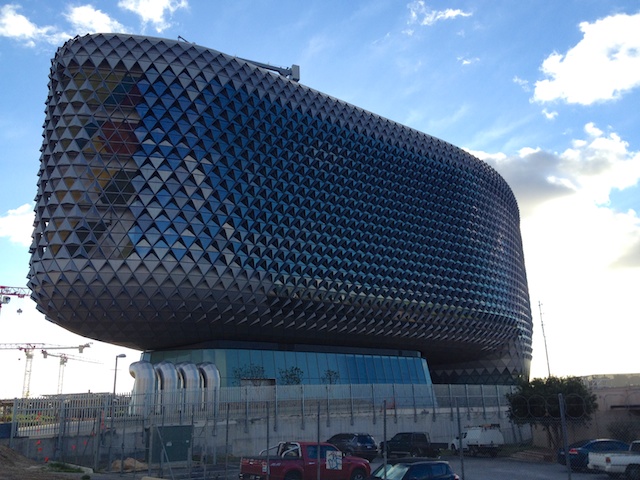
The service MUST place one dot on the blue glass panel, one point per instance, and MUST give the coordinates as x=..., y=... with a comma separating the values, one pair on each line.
x=361, y=365
x=343, y=368
x=378, y=368
x=303, y=364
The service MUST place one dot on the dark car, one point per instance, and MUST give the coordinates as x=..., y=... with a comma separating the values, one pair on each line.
x=579, y=451
x=415, y=444
x=378, y=473
x=412, y=468
x=357, y=444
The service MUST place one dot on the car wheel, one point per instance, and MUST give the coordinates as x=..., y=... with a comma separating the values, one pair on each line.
x=474, y=451
x=358, y=474
x=453, y=448
x=415, y=452
x=348, y=453
x=633, y=472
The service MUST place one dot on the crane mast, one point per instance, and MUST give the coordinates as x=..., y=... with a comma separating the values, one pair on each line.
x=64, y=358
x=28, y=349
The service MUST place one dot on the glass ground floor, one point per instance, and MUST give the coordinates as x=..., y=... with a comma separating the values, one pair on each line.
x=259, y=364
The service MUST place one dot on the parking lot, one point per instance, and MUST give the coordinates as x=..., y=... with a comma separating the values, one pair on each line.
x=505, y=468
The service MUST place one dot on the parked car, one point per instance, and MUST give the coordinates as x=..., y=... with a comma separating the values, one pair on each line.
x=410, y=469
x=357, y=444
x=378, y=473
x=617, y=464
x=299, y=460
x=415, y=444
x=579, y=451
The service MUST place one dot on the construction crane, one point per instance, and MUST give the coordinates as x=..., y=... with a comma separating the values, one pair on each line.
x=64, y=358
x=7, y=292
x=28, y=349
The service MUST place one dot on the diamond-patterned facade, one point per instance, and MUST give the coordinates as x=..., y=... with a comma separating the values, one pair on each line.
x=186, y=196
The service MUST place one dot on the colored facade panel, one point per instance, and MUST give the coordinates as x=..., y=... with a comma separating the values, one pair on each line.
x=187, y=198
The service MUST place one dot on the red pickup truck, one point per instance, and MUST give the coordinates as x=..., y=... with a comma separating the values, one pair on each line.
x=299, y=461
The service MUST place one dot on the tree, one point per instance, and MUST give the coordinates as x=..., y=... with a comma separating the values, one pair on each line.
x=537, y=403
x=291, y=376
x=330, y=377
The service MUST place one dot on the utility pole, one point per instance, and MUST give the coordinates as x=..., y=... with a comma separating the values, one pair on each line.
x=544, y=337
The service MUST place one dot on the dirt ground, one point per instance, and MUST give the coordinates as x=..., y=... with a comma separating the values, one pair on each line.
x=14, y=466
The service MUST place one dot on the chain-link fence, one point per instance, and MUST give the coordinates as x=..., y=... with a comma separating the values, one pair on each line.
x=212, y=428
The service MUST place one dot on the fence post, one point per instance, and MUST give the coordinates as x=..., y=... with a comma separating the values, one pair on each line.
x=373, y=403
x=59, y=453
x=328, y=408
x=466, y=395
x=226, y=446
x=351, y=402
x=302, y=405
x=451, y=402
x=433, y=402
x=484, y=408
x=275, y=409
x=395, y=406
x=97, y=422
x=246, y=409
x=14, y=422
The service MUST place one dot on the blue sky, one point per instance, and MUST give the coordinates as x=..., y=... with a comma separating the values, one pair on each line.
x=547, y=92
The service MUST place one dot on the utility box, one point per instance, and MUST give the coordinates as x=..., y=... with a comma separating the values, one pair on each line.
x=171, y=444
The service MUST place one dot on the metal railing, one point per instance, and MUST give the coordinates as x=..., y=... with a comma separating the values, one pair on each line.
x=210, y=427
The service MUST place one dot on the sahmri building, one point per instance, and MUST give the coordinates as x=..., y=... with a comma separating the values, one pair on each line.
x=214, y=212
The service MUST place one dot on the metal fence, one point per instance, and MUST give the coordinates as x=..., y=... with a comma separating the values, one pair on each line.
x=197, y=429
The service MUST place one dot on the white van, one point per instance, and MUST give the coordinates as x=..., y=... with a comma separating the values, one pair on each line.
x=486, y=439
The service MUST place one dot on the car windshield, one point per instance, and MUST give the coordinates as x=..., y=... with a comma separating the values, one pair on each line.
x=395, y=472
x=379, y=472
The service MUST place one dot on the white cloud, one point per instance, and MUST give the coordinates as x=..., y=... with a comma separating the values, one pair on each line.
x=17, y=225
x=83, y=19
x=600, y=164
x=86, y=19
x=522, y=82
x=421, y=14
x=468, y=61
x=582, y=255
x=17, y=26
x=591, y=168
x=602, y=66
x=154, y=12
x=549, y=115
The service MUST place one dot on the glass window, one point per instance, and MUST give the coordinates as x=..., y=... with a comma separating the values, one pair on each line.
x=302, y=362
x=421, y=471
x=268, y=362
x=352, y=368
x=323, y=367
x=395, y=367
x=279, y=363
x=361, y=365
x=313, y=375
x=343, y=368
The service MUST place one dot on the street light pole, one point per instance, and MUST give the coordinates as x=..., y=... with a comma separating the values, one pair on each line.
x=113, y=397
x=115, y=373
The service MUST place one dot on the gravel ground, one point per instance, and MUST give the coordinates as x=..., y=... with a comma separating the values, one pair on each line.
x=14, y=466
